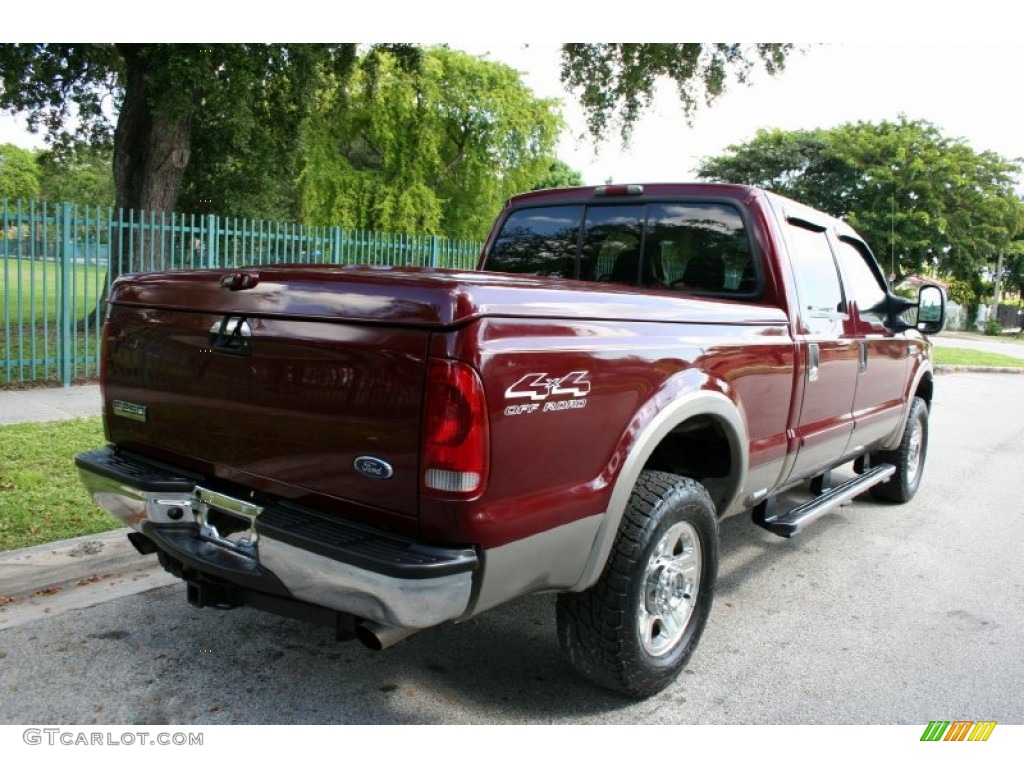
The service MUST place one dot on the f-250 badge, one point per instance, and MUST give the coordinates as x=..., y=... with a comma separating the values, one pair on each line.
x=545, y=393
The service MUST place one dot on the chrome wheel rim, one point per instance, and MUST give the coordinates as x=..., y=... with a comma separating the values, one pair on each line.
x=914, y=445
x=671, y=588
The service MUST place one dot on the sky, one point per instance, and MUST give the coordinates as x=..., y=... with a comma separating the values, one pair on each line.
x=924, y=70
x=974, y=93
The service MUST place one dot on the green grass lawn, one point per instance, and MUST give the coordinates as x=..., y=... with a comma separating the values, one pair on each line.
x=29, y=290
x=956, y=356
x=18, y=352
x=30, y=317
x=41, y=497
x=1003, y=338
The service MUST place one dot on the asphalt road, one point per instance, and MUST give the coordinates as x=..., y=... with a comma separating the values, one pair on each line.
x=875, y=615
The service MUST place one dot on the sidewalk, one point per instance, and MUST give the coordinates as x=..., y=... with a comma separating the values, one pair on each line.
x=49, y=404
x=49, y=579
x=985, y=344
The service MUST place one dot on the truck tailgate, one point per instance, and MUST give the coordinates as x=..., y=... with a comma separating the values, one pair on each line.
x=286, y=405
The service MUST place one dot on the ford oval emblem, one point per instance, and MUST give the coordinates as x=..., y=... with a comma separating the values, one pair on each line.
x=372, y=467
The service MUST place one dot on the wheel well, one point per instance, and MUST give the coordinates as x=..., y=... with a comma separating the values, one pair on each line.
x=698, y=448
x=924, y=390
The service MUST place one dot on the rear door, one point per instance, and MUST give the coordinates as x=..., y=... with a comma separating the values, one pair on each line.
x=827, y=345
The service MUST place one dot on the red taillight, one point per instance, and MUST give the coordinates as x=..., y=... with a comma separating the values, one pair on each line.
x=456, y=441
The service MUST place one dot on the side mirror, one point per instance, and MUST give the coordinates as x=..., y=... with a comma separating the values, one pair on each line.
x=927, y=314
x=931, y=309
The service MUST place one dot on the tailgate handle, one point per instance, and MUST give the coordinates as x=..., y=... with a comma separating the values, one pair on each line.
x=231, y=336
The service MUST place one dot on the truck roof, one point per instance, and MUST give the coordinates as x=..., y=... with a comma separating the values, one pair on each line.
x=646, y=191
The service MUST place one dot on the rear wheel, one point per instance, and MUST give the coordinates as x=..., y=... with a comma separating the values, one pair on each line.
x=635, y=629
x=908, y=457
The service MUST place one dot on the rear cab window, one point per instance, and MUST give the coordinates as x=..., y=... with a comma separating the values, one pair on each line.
x=692, y=247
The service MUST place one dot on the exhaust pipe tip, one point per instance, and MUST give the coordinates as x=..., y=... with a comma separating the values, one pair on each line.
x=377, y=637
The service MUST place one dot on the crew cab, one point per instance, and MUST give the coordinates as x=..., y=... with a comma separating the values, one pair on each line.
x=384, y=449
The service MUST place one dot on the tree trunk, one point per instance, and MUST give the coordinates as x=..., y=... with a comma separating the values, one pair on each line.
x=151, y=152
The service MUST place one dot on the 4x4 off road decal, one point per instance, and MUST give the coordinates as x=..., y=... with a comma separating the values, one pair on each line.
x=547, y=393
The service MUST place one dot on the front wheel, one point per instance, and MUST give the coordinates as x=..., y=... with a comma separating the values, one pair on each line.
x=908, y=457
x=636, y=628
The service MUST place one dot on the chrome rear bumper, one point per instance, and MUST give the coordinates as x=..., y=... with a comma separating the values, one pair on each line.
x=280, y=548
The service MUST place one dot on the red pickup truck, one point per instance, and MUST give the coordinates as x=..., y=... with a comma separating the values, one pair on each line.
x=385, y=449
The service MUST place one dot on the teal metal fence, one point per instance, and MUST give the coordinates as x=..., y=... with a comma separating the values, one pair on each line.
x=55, y=259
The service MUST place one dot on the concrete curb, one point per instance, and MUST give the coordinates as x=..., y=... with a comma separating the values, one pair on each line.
x=976, y=369
x=27, y=571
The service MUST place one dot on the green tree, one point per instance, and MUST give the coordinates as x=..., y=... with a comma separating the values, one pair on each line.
x=615, y=82
x=932, y=201
x=168, y=101
x=1013, y=266
x=19, y=177
x=431, y=149
x=213, y=126
x=78, y=173
x=559, y=174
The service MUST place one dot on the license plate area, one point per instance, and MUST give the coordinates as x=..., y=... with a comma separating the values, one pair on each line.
x=225, y=520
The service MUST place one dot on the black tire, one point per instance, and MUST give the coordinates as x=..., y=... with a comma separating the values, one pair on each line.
x=636, y=628
x=908, y=458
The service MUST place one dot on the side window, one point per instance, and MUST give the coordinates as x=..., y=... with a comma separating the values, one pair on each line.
x=816, y=276
x=538, y=241
x=863, y=283
x=699, y=248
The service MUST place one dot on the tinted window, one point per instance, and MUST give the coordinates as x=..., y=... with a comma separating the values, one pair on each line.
x=699, y=247
x=863, y=284
x=816, y=276
x=538, y=241
x=611, y=243
x=689, y=247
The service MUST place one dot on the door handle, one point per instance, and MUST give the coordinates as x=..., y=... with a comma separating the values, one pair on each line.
x=813, y=361
x=863, y=356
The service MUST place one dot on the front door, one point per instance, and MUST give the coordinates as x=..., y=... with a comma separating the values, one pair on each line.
x=884, y=356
